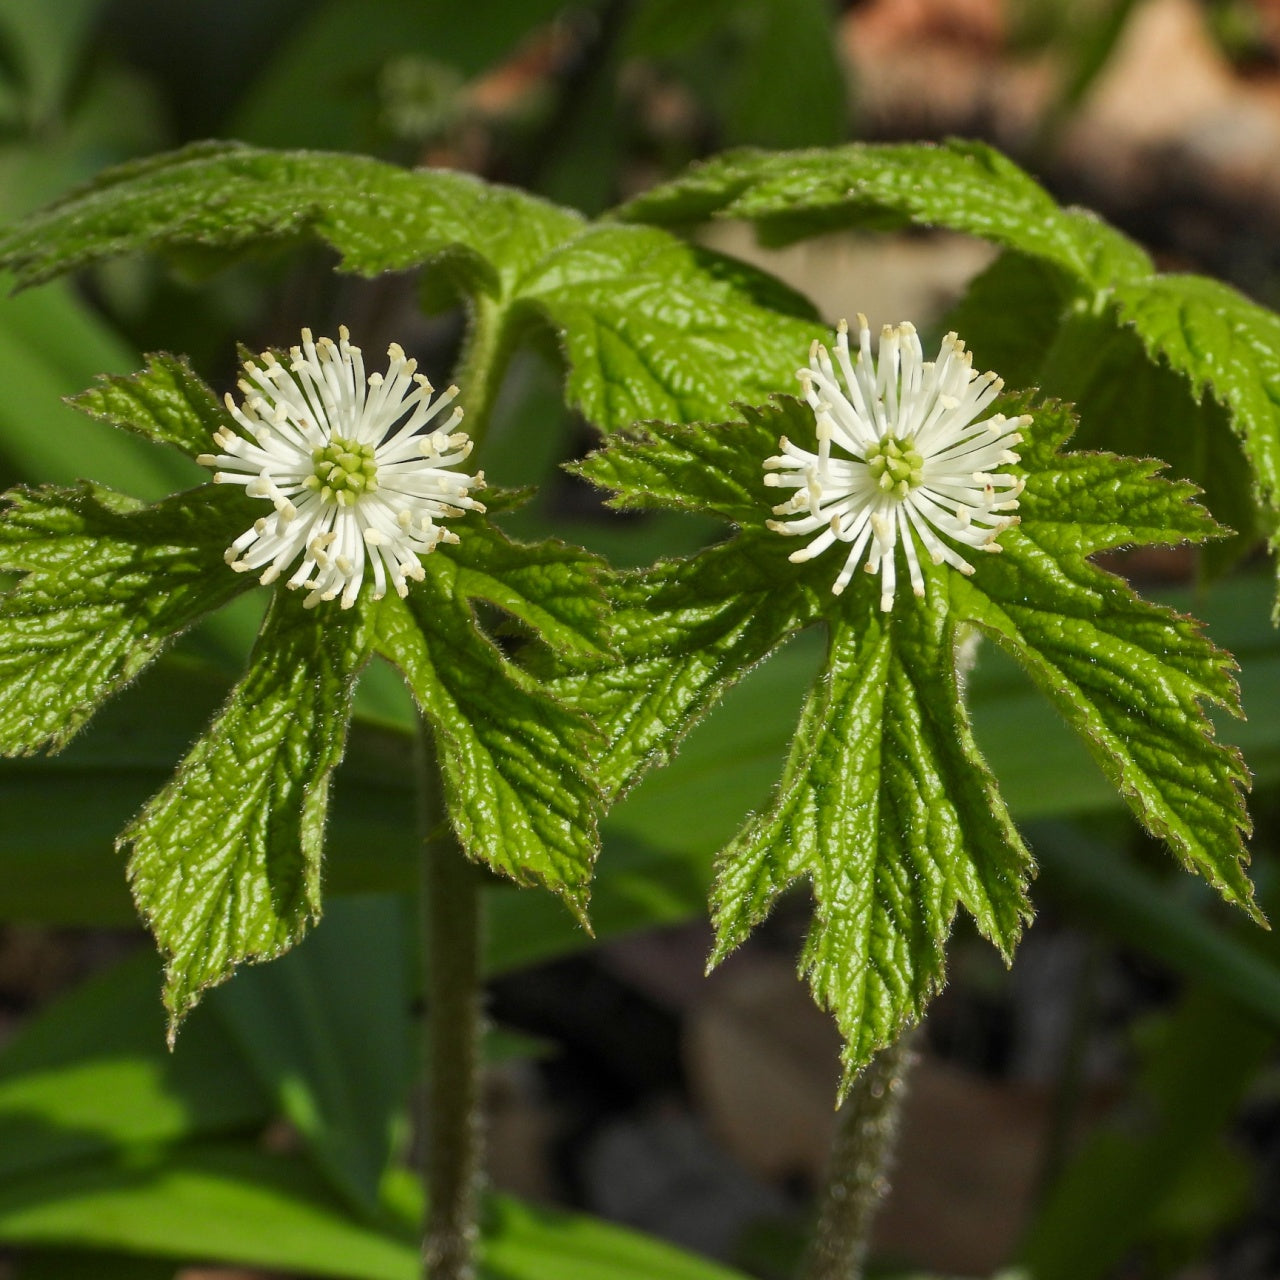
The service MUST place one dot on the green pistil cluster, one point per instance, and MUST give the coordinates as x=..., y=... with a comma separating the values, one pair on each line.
x=895, y=465
x=344, y=470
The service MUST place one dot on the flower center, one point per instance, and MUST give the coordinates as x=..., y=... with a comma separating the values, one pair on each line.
x=343, y=471
x=895, y=465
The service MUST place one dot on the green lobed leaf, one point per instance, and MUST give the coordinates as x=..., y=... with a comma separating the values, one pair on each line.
x=1224, y=345
x=107, y=584
x=650, y=326
x=963, y=186
x=225, y=861
x=549, y=586
x=165, y=402
x=513, y=759
x=1020, y=316
x=220, y=197
x=653, y=327
x=683, y=632
x=689, y=469
x=885, y=806
x=1129, y=677
x=1010, y=315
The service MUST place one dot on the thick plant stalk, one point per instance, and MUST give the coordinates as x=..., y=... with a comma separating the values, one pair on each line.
x=454, y=1024
x=861, y=1155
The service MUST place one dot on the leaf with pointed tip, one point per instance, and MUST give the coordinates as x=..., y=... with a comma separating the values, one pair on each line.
x=108, y=582
x=684, y=631
x=218, y=198
x=963, y=186
x=1130, y=678
x=224, y=863
x=887, y=808
x=885, y=804
x=514, y=760
x=165, y=402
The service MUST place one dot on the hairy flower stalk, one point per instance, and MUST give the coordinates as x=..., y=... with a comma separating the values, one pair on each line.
x=348, y=463
x=903, y=456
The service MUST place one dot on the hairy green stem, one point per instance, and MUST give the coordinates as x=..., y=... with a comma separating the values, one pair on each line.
x=482, y=363
x=451, y=920
x=861, y=1155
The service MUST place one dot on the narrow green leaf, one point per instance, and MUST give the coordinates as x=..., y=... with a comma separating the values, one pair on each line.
x=215, y=1201
x=166, y=402
x=653, y=327
x=91, y=1075
x=221, y=197
x=963, y=186
x=235, y=1205
x=328, y=1030
x=225, y=861
x=513, y=758
x=1104, y=891
x=788, y=85
x=527, y=1242
x=108, y=583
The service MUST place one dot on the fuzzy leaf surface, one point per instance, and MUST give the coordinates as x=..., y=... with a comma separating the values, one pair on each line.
x=653, y=327
x=963, y=186
x=650, y=326
x=1224, y=345
x=549, y=587
x=885, y=807
x=166, y=402
x=514, y=759
x=218, y=198
x=1020, y=316
x=107, y=583
x=224, y=863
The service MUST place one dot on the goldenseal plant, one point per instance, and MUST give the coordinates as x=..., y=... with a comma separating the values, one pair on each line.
x=224, y=862
x=915, y=459
x=346, y=461
x=885, y=806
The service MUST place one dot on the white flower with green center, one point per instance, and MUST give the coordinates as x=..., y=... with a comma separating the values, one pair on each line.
x=904, y=457
x=349, y=465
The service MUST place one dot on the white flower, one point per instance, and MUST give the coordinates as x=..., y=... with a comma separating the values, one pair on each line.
x=903, y=455
x=348, y=465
